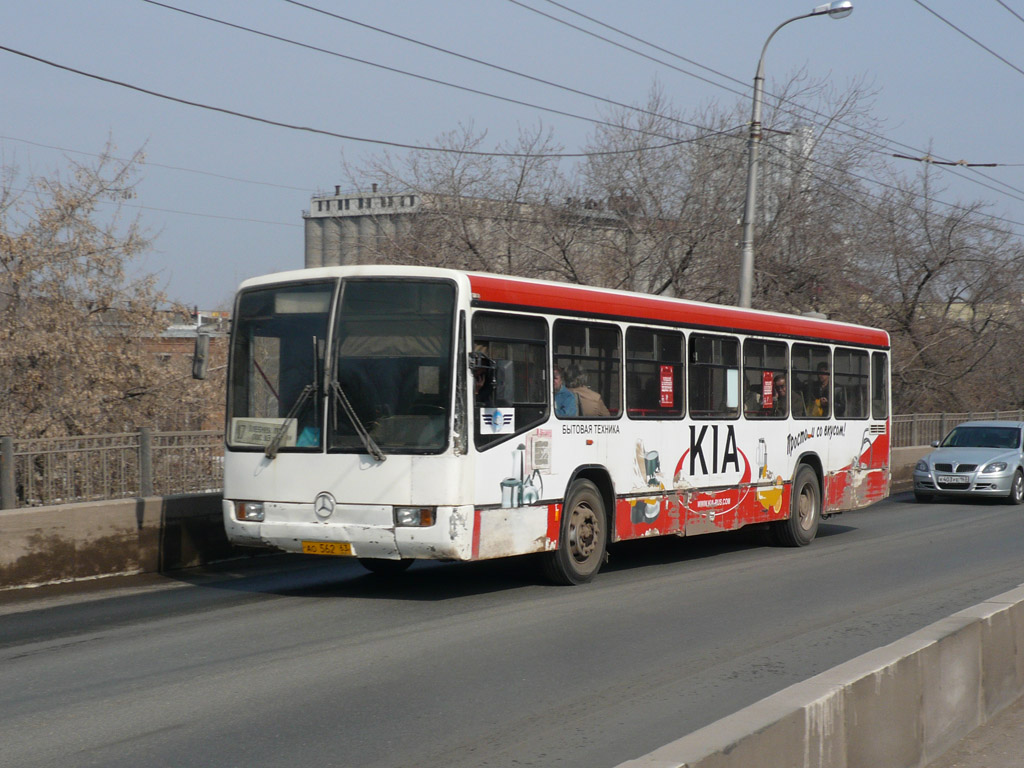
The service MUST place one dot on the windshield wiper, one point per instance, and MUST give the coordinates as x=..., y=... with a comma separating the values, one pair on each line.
x=275, y=442
x=368, y=442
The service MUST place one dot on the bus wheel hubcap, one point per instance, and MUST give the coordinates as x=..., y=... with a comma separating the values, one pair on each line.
x=805, y=509
x=581, y=533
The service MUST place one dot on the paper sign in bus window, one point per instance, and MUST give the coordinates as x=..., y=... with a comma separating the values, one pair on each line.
x=667, y=387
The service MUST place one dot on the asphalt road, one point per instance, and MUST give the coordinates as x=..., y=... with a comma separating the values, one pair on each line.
x=288, y=661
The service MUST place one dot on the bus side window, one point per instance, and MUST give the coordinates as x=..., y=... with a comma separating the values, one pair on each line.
x=879, y=386
x=590, y=354
x=810, y=381
x=514, y=353
x=764, y=370
x=851, y=384
x=654, y=373
x=714, y=376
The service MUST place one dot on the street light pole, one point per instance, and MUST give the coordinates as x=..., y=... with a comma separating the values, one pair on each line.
x=837, y=10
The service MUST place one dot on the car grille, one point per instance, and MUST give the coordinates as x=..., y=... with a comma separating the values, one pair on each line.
x=959, y=468
x=954, y=486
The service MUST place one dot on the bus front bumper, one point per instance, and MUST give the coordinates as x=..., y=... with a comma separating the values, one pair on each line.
x=361, y=530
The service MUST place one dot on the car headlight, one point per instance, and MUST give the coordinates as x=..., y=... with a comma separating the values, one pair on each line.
x=922, y=466
x=995, y=466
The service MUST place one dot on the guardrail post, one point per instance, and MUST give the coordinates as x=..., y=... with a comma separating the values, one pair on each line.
x=8, y=499
x=145, y=461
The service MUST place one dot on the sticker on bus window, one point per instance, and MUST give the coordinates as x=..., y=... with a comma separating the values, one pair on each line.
x=497, y=421
x=667, y=388
x=767, y=389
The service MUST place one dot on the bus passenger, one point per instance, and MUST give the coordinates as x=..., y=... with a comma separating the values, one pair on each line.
x=591, y=404
x=483, y=379
x=782, y=396
x=565, y=401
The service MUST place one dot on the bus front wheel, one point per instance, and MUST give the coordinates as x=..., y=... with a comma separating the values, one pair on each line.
x=801, y=527
x=583, y=537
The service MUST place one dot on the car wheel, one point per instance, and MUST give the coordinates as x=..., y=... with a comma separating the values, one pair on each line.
x=1016, y=489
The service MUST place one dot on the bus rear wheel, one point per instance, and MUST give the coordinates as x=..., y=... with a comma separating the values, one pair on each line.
x=583, y=538
x=801, y=527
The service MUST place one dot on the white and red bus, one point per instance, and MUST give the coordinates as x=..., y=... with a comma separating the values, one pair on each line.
x=401, y=413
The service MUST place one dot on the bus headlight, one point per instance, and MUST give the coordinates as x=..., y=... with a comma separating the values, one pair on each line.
x=414, y=517
x=249, y=511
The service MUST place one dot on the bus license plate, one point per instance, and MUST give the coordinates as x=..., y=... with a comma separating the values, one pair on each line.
x=953, y=479
x=338, y=548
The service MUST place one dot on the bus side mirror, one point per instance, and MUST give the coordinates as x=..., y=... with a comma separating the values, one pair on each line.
x=201, y=356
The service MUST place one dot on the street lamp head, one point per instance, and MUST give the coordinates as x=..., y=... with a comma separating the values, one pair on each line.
x=839, y=9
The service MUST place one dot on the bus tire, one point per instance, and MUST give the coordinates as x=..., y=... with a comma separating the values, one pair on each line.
x=800, y=528
x=583, y=537
x=383, y=567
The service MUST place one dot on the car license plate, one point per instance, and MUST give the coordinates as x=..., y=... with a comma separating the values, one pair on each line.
x=953, y=479
x=337, y=548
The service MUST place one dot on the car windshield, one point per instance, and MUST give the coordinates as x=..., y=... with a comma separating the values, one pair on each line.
x=982, y=437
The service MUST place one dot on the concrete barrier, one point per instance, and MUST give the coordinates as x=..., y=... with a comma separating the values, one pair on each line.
x=900, y=706
x=41, y=545
x=901, y=467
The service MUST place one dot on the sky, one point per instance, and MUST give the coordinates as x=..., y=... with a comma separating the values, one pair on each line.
x=223, y=195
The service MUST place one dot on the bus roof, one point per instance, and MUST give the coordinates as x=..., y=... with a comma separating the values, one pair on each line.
x=502, y=291
x=563, y=298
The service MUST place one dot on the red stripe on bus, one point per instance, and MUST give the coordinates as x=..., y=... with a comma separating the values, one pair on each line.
x=476, y=534
x=490, y=289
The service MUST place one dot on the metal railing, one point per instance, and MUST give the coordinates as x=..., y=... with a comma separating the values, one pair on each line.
x=919, y=429
x=97, y=467
x=65, y=470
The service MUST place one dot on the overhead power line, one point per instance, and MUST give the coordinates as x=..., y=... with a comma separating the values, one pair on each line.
x=332, y=134
x=481, y=62
x=878, y=142
x=152, y=164
x=434, y=80
x=1021, y=18
x=934, y=161
x=977, y=42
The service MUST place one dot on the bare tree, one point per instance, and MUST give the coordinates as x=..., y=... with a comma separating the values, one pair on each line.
x=656, y=207
x=78, y=329
x=945, y=280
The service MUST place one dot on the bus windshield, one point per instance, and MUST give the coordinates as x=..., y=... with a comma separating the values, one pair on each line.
x=278, y=344
x=392, y=363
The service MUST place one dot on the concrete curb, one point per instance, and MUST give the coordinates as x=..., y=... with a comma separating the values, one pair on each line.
x=901, y=705
x=43, y=545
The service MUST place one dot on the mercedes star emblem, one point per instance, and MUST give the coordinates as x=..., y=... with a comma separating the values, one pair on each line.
x=324, y=505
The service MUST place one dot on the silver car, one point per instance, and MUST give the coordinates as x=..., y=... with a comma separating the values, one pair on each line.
x=977, y=458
